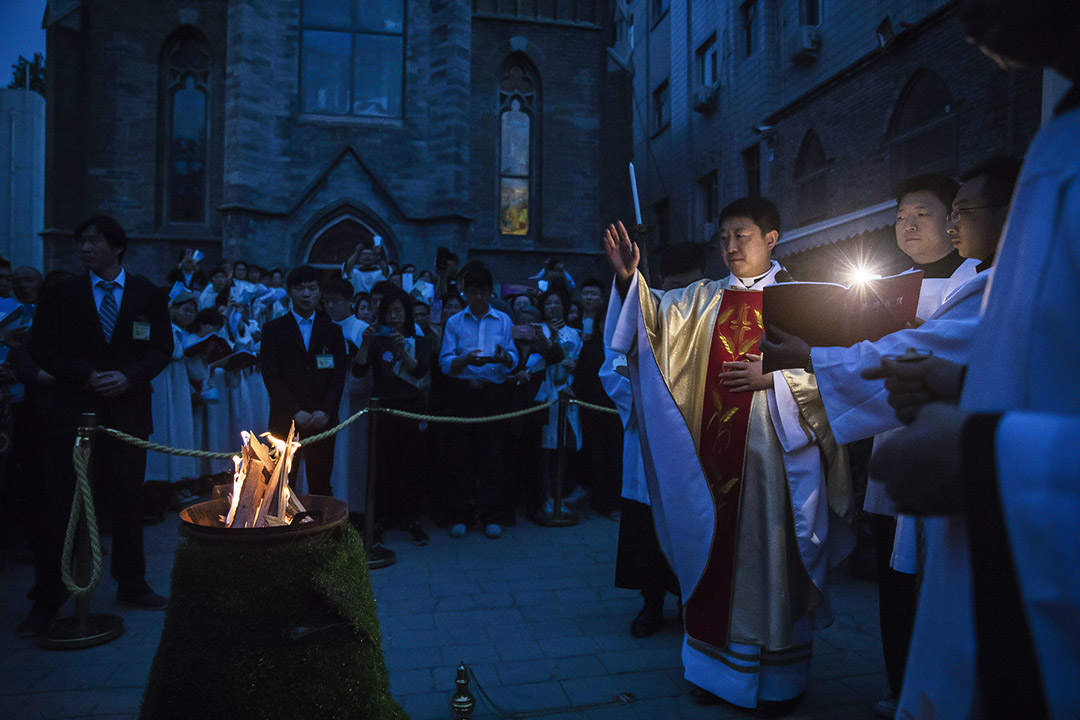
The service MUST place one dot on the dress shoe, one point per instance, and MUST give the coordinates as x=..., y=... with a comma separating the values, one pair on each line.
x=647, y=622
x=493, y=531
x=701, y=696
x=886, y=707
x=35, y=623
x=146, y=600
x=419, y=537
x=778, y=708
x=458, y=531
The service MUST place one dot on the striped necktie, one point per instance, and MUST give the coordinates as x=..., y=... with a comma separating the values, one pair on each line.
x=108, y=309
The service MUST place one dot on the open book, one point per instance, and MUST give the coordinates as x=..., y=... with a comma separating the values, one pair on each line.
x=213, y=346
x=830, y=314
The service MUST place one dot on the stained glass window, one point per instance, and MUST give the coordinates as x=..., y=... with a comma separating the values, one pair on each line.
x=187, y=93
x=517, y=124
x=353, y=57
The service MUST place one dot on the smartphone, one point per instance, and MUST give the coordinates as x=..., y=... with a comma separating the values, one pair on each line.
x=523, y=332
x=384, y=331
x=376, y=240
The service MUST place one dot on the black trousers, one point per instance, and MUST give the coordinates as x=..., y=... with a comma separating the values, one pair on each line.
x=898, y=598
x=118, y=473
x=476, y=480
x=639, y=561
x=600, y=459
x=318, y=464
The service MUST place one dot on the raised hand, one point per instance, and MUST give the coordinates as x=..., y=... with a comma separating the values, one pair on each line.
x=622, y=252
x=912, y=384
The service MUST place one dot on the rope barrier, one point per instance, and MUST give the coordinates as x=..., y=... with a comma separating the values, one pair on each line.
x=83, y=504
x=423, y=417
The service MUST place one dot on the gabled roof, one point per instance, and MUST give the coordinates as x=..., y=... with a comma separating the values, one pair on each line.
x=57, y=10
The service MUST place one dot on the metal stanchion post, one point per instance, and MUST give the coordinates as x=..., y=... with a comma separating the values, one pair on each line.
x=84, y=629
x=557, y=518
x=378, y=556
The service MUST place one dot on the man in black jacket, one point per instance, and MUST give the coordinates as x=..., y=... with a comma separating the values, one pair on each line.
x=304, y=360
x=103, y=336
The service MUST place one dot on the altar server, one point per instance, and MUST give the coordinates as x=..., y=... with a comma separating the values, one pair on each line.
x=174, y=419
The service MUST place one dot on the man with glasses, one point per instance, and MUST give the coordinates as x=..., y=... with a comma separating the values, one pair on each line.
x=858, y=408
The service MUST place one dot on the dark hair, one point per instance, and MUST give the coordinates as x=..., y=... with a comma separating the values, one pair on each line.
x=1001, y=172
x=408, y=329
x=577, y=324
x=452, y=256
x=209, y=316
x=381, y=288
x=241, y=262
x=302, y=274
x=109, y=228
x=218, y=269
x=447, y=296
x=941, y=187
x=760, y=210
x=417, y=302
x=594, y=282
x=53, y=278
x=338, y=286
x=479, y=276
x=358, y=297
x=563, y=297
x=682, y=257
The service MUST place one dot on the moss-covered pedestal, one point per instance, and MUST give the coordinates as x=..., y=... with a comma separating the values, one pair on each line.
x=280, y=630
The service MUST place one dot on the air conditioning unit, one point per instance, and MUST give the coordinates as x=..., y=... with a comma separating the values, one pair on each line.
x=705, y=98
x=804, y=44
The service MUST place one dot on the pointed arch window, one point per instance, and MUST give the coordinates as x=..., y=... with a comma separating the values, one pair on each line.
x=519, y=96
x=922, y=133
x=186, y=80
x=811, y=189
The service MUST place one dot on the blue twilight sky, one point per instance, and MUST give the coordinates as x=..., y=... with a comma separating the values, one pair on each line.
x=20, y=33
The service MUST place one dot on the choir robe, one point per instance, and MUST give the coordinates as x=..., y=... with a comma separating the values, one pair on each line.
x=348, y=481
x=763, y=592
x=174, y=421
x=859, y=408
x=1023, y=364
x=212, y=413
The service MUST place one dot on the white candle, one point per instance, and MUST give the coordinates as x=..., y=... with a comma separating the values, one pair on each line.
x=633, y=186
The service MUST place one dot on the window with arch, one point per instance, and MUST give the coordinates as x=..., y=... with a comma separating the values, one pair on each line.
x=186, y=82
x=519, y=103
x=922, y=133
x=811, y=190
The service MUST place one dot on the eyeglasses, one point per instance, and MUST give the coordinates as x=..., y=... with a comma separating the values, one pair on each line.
x=957, y=213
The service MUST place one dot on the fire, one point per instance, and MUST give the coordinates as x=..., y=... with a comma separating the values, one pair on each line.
x=260, y=494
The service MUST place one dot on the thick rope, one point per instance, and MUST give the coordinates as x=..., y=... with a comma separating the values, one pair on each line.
x=82, y=505
x=452, y=419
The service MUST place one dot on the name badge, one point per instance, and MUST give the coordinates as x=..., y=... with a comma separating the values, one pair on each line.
x=324, y=362
x=140, y=331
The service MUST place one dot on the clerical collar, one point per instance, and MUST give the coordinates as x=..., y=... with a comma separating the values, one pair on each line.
x=942, y=268
x=749, y=283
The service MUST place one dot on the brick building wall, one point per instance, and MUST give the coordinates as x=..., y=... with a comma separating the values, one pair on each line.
x=847, y=91
x=279, y=176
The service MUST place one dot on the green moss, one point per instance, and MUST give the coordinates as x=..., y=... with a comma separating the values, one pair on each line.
x=285, y=631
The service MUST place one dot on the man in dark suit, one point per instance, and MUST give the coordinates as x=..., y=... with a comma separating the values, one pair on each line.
x=103, y=336
x=304, y=359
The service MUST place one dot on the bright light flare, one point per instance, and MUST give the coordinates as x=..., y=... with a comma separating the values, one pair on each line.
x=861, y=275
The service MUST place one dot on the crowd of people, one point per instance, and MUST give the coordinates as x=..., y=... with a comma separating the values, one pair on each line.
x=736, y=492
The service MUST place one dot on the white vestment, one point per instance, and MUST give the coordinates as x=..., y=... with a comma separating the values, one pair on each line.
x=743, y=673
x=174, y=421
x=1023, y=363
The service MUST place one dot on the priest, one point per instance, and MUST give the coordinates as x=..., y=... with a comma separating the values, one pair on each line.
x=731, y=455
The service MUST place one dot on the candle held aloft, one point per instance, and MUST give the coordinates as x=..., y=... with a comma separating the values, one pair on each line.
x=633, y=187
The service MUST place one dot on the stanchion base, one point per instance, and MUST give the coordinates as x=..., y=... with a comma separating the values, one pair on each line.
x=71, y=634
x=380, y=557
x=550, y=519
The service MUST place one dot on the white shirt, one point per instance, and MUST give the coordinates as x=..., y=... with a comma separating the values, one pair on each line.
x=465, y=332
x=305, y=324
x=99, y=292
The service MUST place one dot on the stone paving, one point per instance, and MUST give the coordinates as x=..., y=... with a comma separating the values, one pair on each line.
x=533, y=613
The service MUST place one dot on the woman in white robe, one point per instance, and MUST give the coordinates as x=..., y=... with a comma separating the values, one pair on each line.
x=171, y=407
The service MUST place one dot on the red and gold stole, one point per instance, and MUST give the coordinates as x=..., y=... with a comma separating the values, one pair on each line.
x=724, y=421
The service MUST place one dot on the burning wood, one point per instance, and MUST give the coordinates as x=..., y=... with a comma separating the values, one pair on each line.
x=261, y=496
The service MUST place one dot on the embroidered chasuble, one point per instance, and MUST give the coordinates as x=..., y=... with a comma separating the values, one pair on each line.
x=738, y=485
